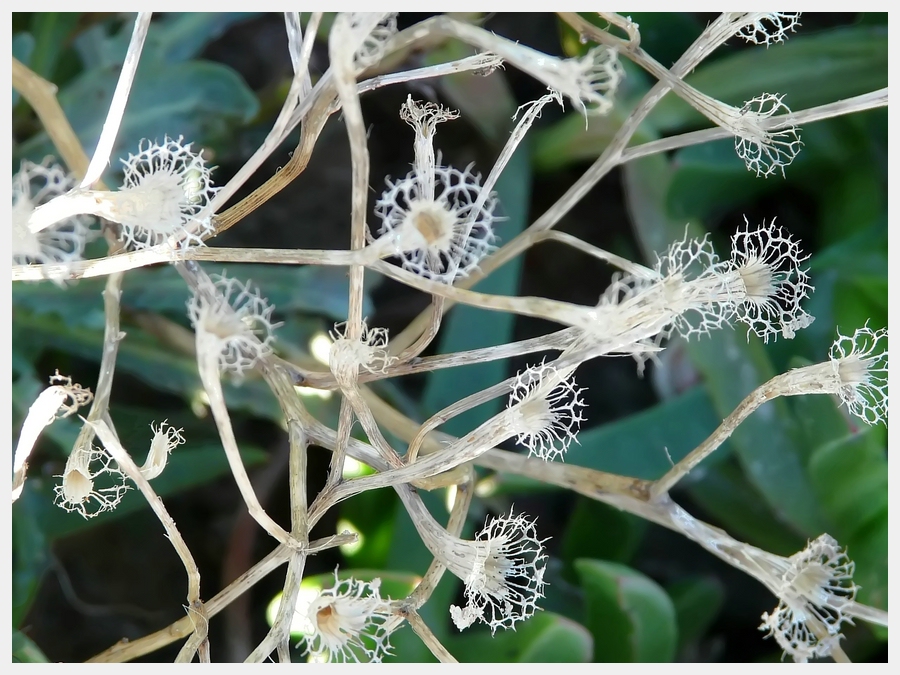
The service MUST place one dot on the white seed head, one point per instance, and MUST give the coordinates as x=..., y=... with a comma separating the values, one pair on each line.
x=79, y=491
x=813, y=590
x=765, y=281
x=549, y=411
x=346, y=622
x=233, y=321
x=442, y=238
x=860, y=365
x=347, y=357
x=165, y=187
x=62, y=242
x=503, y=570
x=765, y=149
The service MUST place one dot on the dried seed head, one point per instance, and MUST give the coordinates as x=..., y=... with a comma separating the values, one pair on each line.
x=860, y=364
x=346, y=622
x=233, y=321
x=814, y=589
x=62, y=242
x=347, y=357
x=79, y=490
x=503, y=570
x=165, y=188
x=549, y=411
x=442, y=238
x=765, y=149
x=765, y=281
x=165, y=438
x=766, y=29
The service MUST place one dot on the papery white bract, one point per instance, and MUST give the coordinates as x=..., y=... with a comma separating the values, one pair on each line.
x=814, y=589
x=860, y=363
x=233, y=321
x=503, y=570
x=546, y=422
x=165, y=187
x=79, y=490
x=62, y=242
x=346, y=621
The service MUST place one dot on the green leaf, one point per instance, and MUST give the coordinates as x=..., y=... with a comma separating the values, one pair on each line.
x=187, y=468
x=544, y=638
x=710, y=179
x=850, y=476
x=630, y=616
x=199, y=100
x=24, y=650
x=179, y=36
x=51, y=31
x=697, y=601
x=622, y=534
x=641, y=445
x=469, y=327
x=809, y=69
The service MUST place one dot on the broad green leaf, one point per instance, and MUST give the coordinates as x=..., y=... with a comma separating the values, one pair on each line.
x=544, y=638
x=470, y=328
x=24, y=650
x=630, y=616
x=868, y=549
x=724, y=492
x=698, y=601
x=622, y=533
x=850, y=476
x=187, y=468
x=710, y=179
x=809, y=69
x=199, y=100
x=641, y=445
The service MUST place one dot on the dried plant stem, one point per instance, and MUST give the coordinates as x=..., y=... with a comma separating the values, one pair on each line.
x=208, y=361
x=196, y=612
x=110, y=130
x=111, y=338
x=760, y=395
x=41, y=95
x=465, y=490
x=424, y=632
